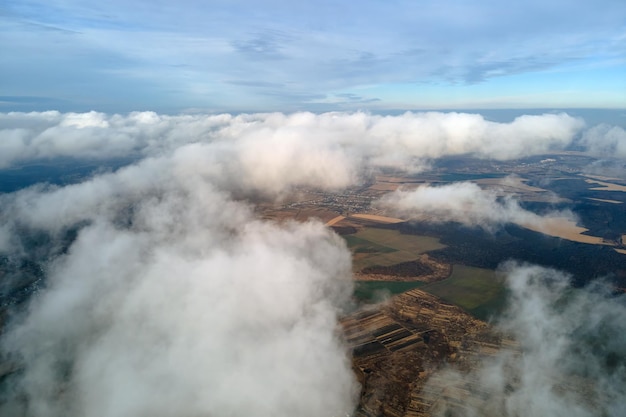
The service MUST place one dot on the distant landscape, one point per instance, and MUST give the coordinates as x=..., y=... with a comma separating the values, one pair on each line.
x=387, y=249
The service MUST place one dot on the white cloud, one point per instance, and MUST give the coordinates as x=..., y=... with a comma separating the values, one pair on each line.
x=175, y=300
x=335, y=146
x=605, y=140
x=466, y=203
x=570, y=360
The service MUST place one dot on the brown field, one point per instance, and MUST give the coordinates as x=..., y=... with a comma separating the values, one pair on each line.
x=377, y=218
x=603, y=178
x=606, y=186
x=388, y=247
x=565, y=229
x=434, y=271
x=397, y=345
x=317, y=213
x=401, y=242
x=385, y=186
x=335, y=220
x=300, y=214
x=602, y=200
x=622, y=251
x=280, y=215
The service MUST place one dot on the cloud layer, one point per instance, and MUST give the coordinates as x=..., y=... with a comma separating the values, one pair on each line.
x=570, y=360
x=327, y=148
x=174, y=300
x=466, y=203
x=166, y=295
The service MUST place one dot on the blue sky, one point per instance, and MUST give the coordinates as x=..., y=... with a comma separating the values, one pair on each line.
x=190, y=55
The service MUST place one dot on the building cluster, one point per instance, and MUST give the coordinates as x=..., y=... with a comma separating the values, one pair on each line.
x=348, y=202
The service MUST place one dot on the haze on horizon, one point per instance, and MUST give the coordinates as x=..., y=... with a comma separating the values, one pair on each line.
x=270, y=55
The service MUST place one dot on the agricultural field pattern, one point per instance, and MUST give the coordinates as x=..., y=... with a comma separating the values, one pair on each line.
x=426, y=288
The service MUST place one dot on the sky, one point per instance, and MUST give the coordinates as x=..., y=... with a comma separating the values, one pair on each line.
x=271, y=55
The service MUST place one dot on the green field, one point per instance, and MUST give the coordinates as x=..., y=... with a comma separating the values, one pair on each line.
x=478, y=291
x=375, y=291
x=358, y=245
x=372, y=246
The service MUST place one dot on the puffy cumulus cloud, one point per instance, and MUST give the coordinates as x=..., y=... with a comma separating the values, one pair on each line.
x=605, y=140
x=467, y=203
x=570, y=360
x=32, y=136
x=337, y=144
x=438, y=134
x=173, y=299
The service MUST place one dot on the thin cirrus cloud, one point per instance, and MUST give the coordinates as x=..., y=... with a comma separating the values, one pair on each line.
x=180, y=57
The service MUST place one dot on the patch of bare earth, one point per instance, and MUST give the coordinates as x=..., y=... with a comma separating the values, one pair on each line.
x=300, y=214
x=397, y=345
x=565, y=229
x=385, y=186
x=335, y=220
x=602, y=200
x=422, y=269
x=606, y=186
x=378, y=219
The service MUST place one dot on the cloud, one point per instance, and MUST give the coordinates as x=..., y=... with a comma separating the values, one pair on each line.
x=266, y=45
x=346, y=141
x=311, y=48
x=173, y=299
x=165, y=294
x=466, y=203
x=570, y=360
x=256, y=84
x=605, y=140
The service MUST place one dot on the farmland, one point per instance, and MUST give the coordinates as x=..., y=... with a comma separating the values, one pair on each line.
x=376, y=291
x=478, y=291
x=373, y=246
x=399, y=344
x=388, y=262
x=425, y=289
x=456, y=262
